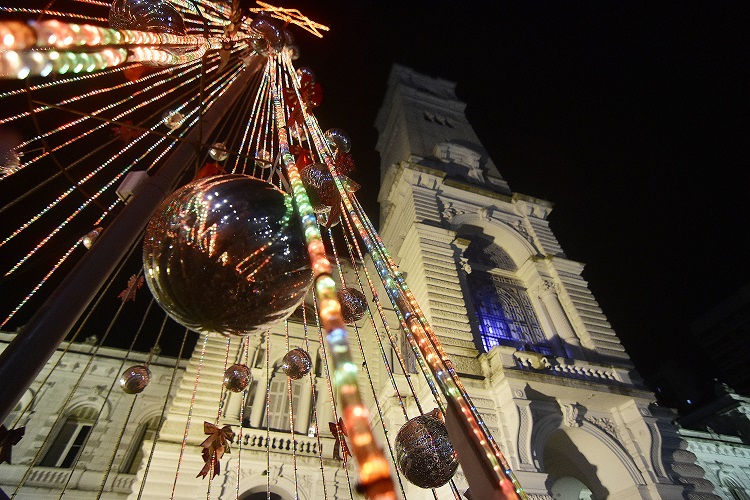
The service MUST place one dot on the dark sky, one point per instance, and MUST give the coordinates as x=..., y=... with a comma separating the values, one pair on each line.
x=632, y=117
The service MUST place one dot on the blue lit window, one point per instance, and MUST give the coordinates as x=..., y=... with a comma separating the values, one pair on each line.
x=505, y=315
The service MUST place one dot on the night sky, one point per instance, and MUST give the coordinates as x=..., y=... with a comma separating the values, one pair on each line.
x=632, y=117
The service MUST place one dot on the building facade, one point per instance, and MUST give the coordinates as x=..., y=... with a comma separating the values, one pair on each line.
x=515, y=315
x=83, y=434
x=718, y=433
x=535, y=352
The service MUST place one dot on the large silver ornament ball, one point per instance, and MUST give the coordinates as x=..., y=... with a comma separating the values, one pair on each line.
x=353, y=304
x=237, y=378
x=159, y=16
x=226, y=254
x=424, y=454
x=296, y=364
x=135, y=379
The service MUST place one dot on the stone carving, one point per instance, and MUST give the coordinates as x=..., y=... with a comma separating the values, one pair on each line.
x=485, y=213
x=545, y=287
x=604, y=424
x=571, y=414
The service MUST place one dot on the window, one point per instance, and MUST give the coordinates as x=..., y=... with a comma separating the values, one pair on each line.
x=276, y=416
x=505, y=315
x=68, y=443
x=734, y=488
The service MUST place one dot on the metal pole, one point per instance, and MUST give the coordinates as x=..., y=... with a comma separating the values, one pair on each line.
x=30, y=350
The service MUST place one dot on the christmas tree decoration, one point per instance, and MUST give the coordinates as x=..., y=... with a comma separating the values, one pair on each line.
x=270, y=36
x=91, y=237
x=146, y=15
x=10, y=162
x=340, y=449
x=218, y=151
x=338, y=140
x=134, y=379
x=226, y=255
x=246, y=249
x=135, y=283
x=208, y=170
x=296, y=364
x=237, y=377
x=172, y=119
x=353, y=304
x=214, y=447
x=424, y=453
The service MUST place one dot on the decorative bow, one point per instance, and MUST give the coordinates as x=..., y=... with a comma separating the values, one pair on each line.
x=311, y=96
x=8, y=438
x=340, y=449
x=134, y=283
x=214, y=447
x=208, y=170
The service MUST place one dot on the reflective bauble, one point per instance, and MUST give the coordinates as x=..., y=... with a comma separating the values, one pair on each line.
x=146, y=15
x=296, y=363
x=263, y=159
x=10, y=162
x=267, y=34
x=424, y=453
x=320, y=187
x=91, y=237
x=218, y=151
x=353, y=304
x=226, y=254
x=135, y=379
x=237, y=378
x=338, y=140
x=172, y=119
x=305, y=72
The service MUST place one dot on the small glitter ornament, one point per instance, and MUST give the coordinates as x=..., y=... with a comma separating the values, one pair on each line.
x=172, y=119
x=424, y=453
x=353, y=304
x=135, y=379
x=263, y=159
x=237, y=378
x=296, y=363
x=218, y=152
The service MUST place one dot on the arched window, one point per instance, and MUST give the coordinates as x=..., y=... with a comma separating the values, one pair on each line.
x=505, y=315
x=734, y=488
x=70, y=439
x=145, y=432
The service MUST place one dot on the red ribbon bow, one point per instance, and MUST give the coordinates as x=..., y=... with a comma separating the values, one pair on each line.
x=340, y=449
x=214, y=447
x=311, y=96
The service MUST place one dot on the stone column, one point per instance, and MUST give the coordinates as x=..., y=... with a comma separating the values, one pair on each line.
x=547, y=291
x=302, y=418
x=256, y=412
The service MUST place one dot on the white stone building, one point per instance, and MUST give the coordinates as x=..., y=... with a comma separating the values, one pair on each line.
x=83, y=434
x=537, y=355
x=718, y=433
